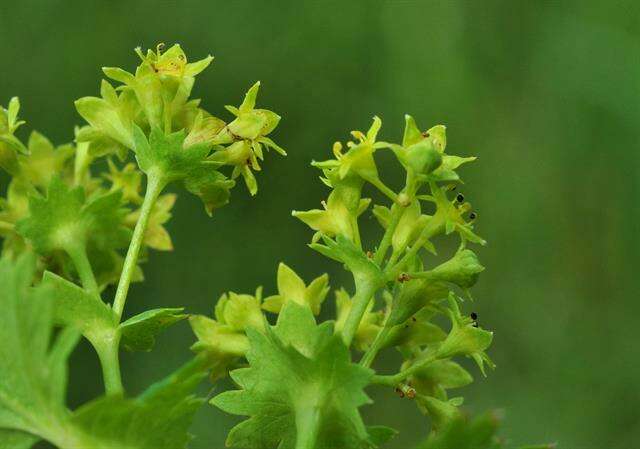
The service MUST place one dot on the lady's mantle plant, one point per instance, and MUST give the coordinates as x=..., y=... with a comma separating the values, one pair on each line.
x=71, y=230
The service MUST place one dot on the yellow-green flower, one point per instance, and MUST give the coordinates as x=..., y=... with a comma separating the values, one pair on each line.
x=291, y=287
x=465, y=338
x=247, y=136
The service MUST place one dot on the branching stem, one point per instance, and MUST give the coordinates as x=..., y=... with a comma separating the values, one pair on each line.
x=110, y=361
x=78, y=254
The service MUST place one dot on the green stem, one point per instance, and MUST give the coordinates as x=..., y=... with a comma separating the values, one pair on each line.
x=394, y=257
x=364, y=292
x=390, y=381
x=81, y=163
x=155, y=184
x=372, y=352
x=110, y=362
x=78, y=253
x=396, y=213
x=356, y=231
x=378, y=184
x=396, y=379
x=421, y=275
x=108, y=345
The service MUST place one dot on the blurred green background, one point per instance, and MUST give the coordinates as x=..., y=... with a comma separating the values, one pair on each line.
x=546, y=93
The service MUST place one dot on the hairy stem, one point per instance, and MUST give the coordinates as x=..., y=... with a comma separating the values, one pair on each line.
x=155, y=184
x=78, y=254
x=364, y=292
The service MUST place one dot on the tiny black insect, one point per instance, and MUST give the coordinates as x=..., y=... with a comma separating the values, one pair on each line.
x=474, y=316
x=460, y=198
x=473, y=216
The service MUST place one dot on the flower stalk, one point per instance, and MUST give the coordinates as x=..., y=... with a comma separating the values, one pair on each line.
x=155, y=185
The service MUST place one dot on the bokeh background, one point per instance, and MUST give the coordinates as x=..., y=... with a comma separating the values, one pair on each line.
x=546, y=93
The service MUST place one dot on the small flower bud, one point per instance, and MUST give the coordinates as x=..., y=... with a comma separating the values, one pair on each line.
x=422, y=157
x=240, y=311
x=462, y=269
x=217, y=338
x=414, y=296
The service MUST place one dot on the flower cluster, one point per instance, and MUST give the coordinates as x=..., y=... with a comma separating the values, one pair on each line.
x=57, y=191
x=397, y=298
x=83, y=216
